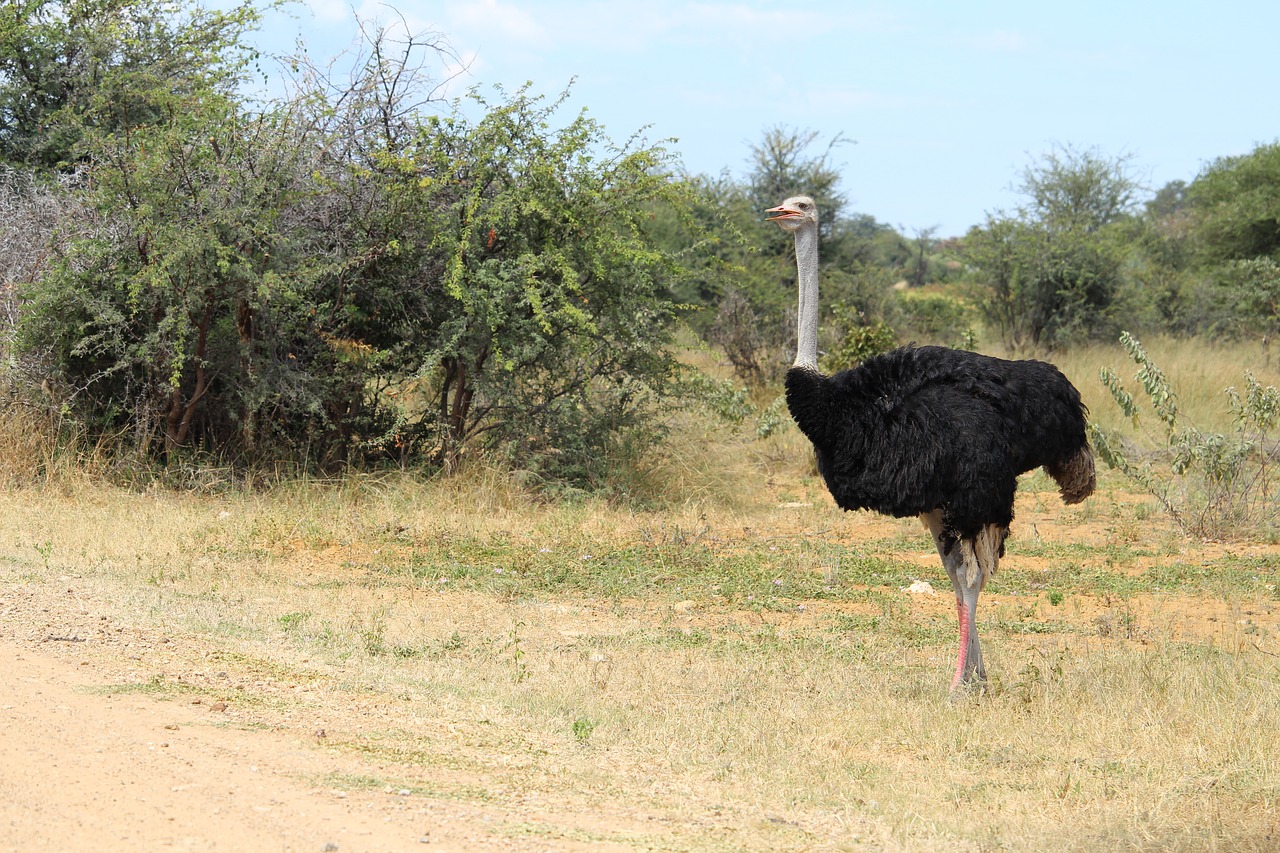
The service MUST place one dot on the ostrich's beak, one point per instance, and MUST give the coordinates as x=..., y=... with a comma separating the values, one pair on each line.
x=782, y=212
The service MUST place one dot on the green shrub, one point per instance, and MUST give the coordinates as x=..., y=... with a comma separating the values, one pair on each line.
x=859, y=342
x=1217, y=485
x=937, y=317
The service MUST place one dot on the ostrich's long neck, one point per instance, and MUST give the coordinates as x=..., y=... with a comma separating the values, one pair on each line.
x=807, y=317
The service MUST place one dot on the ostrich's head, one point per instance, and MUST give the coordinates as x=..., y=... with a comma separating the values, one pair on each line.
x=794, y=213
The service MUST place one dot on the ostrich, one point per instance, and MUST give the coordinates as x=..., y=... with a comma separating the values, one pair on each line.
x=934, y=432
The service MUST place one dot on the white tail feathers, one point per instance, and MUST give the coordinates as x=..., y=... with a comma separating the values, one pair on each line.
x=982, y=553
x=1075, y=476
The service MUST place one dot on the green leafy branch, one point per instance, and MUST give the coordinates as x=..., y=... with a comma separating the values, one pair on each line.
x=1216, y=485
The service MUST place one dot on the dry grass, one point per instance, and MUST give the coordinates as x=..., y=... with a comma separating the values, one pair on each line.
x=1200, y=374
x=711, y=677
x=28, y=445
x=1222, y=487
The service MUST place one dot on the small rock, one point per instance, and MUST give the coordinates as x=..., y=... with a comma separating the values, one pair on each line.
x=218, y=706
x=919, y=588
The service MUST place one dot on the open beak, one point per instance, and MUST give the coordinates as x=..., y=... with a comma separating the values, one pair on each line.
x=782, y=212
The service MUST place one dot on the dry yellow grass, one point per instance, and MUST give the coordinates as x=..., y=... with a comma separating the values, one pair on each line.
x=26, y=445
x=1200, y=374
x=708, y=677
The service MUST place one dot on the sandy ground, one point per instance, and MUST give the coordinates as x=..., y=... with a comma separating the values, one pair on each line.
x=102, y=772
x=126, y=773
x=84, y=767
x=91, y=760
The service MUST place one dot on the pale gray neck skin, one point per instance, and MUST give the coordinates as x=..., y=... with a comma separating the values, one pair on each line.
x=807, y=315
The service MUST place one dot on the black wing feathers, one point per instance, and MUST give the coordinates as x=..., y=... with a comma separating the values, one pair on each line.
x=924, y=428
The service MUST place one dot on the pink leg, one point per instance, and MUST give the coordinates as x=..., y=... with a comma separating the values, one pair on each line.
x=962, y=613
x=969, y=668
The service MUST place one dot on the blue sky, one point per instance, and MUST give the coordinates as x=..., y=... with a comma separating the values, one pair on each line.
x=946, y=102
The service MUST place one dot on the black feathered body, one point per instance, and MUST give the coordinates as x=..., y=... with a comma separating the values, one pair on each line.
x=920, y=429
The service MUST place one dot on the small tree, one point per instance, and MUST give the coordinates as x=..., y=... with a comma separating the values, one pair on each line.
x=1218, y=485
x=781, y=166
x=175, y=292
x=922, y=245
x=1052, y=270
x=546, y=328
x=1236, y=202
x=349, y=274
x=1070, y=189
x=31, y=211
x=109, y=65
x=1232, y=224
x=996, y=252
x=736, y=330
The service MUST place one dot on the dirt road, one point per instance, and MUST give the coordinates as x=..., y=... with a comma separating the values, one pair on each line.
x=86, y=771
x=115, y=736
x=86, y=766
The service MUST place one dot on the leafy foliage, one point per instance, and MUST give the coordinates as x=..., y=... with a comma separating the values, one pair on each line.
x=1071, y=189
x=175, y=297
x=936, y=317
x=1206, y=252
x=736, y=329
x=859, y=342
x=1237, y=202
x=109, y=65
x=550, y=327
x=752, y=288
x=359, y=273
x=1051, y=271
x=1221, y=485
x=307, y=283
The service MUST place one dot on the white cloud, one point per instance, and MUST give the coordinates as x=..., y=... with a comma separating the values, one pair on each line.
x=466, y=61
x=845, y=99
x=631, y=24
x=736, y=20
x=330, y=11
x=459, y=75
x=1000, y=41
x=396, y=17
x=493, y=18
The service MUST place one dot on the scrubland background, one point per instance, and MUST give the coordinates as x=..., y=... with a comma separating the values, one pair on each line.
x=457, y=428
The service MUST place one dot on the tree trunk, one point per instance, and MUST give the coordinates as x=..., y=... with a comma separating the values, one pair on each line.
x=248, y=416
x=182, y=411
x=456, y=395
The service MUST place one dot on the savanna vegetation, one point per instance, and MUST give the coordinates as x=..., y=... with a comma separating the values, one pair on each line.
x=470, y=405
x=357, y=275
